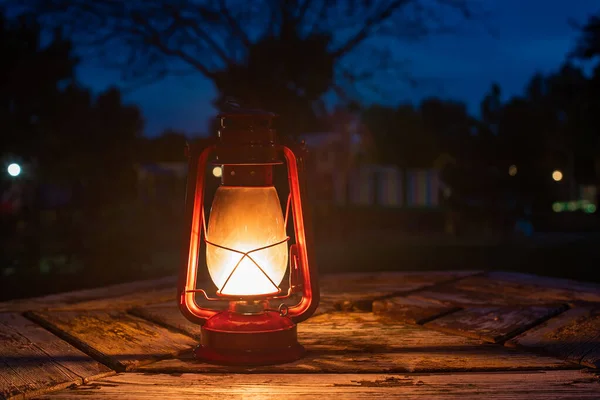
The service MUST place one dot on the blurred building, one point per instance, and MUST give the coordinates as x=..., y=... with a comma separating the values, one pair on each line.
x=343, y=171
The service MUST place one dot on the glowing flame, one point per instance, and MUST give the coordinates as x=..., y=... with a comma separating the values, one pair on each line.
x=246, y=219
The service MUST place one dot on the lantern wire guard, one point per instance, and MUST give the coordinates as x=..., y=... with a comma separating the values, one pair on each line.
x=246, y=254
x=250, y=331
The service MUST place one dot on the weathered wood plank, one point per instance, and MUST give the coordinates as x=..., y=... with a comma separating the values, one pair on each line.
x=124, y=302
x=60, y=351
x=494, y=324
x=73, y=299
x=26, y=369
x=368, y=343
x=532, y=385
x=119, y=340
x=565, y=289
x=167, y=315
x=411, y=310
x=9, y=389
x=388, y=282
x=531, y=288
x=454, y=295
x=357, y=291
x=573, y=335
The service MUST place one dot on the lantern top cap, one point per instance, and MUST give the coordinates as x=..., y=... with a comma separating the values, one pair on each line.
x=246, y=117
x=246, y=112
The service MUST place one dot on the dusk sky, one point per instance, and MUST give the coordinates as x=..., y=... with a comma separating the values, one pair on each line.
x=526, y=36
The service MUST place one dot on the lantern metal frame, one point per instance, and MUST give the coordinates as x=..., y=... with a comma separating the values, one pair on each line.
x=250, y=332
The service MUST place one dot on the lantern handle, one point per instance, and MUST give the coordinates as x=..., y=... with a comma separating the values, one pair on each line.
x=198, y=160
x=306, y=268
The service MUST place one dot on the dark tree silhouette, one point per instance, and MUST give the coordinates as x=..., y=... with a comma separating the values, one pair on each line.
x=90, y=141
x=588, y=45
x=399, y=136
x=71, y=141
x=30, y=76
x=279, y=54
x=168, y=147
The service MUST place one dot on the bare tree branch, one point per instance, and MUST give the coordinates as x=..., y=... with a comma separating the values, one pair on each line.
x=235, y=27
x=367, y=27
x=297, y=48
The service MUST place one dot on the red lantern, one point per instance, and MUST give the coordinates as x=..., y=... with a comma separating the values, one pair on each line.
x=246, y=246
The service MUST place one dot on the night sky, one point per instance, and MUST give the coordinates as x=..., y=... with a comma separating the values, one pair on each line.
x=518, y=38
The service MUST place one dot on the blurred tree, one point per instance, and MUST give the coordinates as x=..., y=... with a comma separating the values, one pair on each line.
x=399, y=136
x=283, y=55
x=414, y=137
x=588, y=48
x=450, y=123
x=31, y=74
x=588, y=45
x=168, y=147
x=482, y=151
x=90, y=141
x=30, y=77
x=90, y=149
x=73, y=142
x=550, y=127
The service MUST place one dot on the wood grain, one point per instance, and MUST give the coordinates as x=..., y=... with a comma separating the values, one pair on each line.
x=494, y=324
x=357, y=291
x=145, y=290
x=60, y=351
x=411, y=310
x=168, y=315
x=135, y=299
x=454, y=295
x=387, y=282
x=9, y=389
x=573, y=335
x=533, y=386
x=118, y=339
x=531, y=288
x=367, y=343
x=554, y=288
x=25, y=368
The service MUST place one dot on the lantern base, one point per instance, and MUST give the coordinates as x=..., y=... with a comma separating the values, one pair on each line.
x=231, y=338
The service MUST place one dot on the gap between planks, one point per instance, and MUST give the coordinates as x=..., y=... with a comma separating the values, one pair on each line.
x=126, y=342
x=36, y=361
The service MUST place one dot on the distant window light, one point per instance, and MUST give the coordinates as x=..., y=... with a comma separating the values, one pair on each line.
x=512, y=170
x=557, y=175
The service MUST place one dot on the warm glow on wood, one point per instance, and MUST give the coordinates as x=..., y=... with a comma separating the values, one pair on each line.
x=246, y=219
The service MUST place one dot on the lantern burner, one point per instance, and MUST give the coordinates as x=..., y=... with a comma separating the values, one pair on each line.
x=249, y=334
x=248, y=307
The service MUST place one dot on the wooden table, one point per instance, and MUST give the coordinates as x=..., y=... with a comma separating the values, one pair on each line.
x=461, y=334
